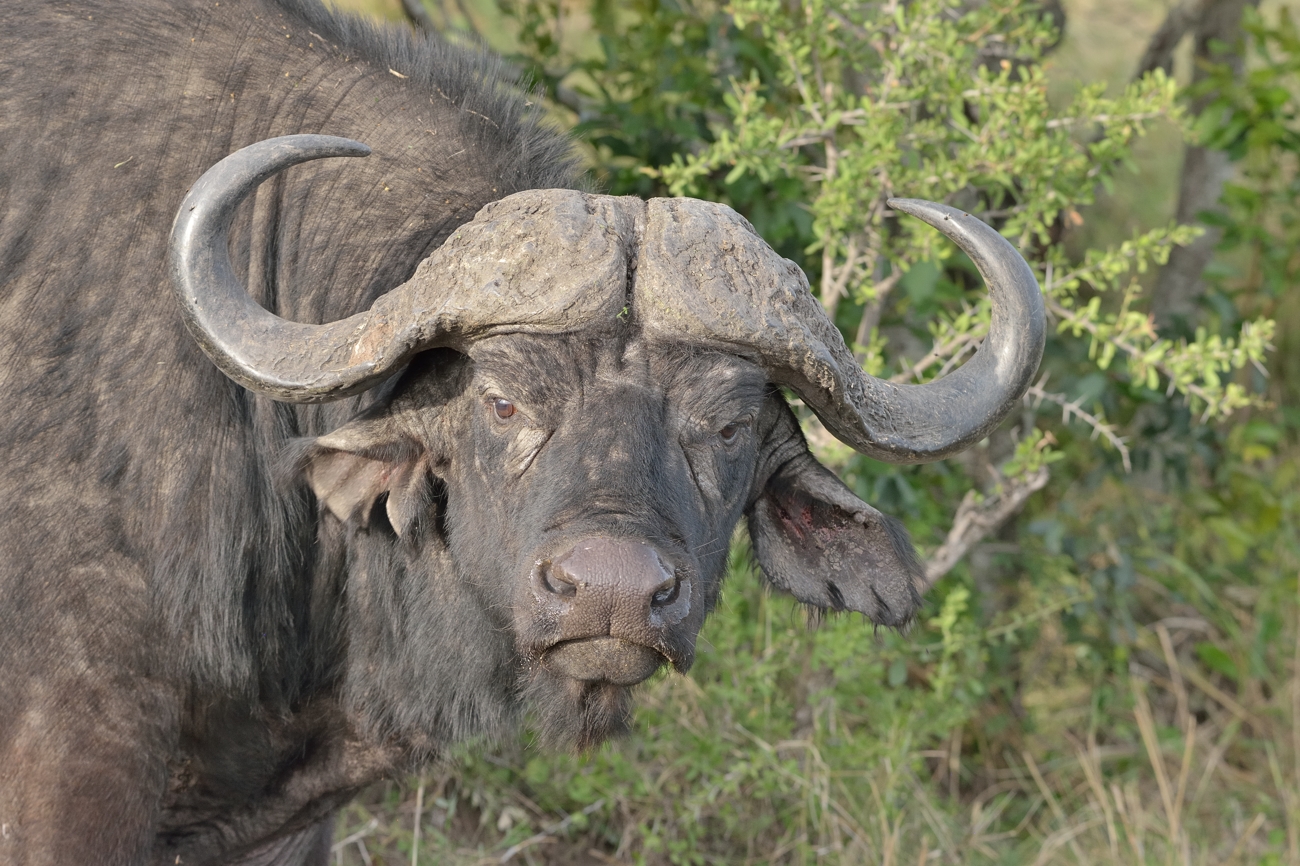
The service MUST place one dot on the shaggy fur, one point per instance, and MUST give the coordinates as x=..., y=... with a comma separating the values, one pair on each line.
x=220, y=616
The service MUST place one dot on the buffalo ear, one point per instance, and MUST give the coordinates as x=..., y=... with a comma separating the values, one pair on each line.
x=352, y=467
x=814, y=539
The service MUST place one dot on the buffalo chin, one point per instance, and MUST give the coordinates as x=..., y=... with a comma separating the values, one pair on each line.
x=581, y=693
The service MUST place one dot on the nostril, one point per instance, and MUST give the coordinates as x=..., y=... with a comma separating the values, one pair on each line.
x=666, y=594
x=556, y=582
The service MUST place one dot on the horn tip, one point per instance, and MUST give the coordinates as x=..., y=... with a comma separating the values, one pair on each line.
x=332, y=145
x=356, y=148
x=925, y=210
x=313, y=145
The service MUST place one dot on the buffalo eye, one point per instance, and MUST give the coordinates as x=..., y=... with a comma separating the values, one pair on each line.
x=503, y=409
x=729, y=433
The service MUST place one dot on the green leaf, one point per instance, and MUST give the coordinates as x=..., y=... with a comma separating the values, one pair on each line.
x=1217, y=660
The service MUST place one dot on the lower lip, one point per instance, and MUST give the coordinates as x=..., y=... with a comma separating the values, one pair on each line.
x=603, y=659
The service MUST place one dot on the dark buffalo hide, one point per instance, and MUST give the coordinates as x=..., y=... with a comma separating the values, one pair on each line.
x=221, y=615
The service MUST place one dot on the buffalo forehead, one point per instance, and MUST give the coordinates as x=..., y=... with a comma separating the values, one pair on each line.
x=558, y=261
x=541, y=261
x=544, y=370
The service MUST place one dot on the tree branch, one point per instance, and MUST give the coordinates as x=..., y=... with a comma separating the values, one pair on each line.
x=1181, y=283
x=1160, y=50
x=1075, y=319
x=956, y=346
x=978, y=517
x=871, y=312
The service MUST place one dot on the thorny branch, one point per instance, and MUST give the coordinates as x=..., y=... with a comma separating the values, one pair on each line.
x=1075, y=408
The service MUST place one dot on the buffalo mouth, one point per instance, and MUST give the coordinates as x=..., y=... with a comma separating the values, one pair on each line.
x=603, y=660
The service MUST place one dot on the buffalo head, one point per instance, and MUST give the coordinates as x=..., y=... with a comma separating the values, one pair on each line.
x=580, y=402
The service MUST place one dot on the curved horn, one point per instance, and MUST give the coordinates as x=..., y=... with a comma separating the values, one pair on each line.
x=547, y=262
x=705, y=276
x=228, y=325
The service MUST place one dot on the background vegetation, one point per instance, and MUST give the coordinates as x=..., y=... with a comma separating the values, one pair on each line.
x=1108, y=666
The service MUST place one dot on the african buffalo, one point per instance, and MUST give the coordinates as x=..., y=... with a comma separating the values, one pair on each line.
x=249, y=565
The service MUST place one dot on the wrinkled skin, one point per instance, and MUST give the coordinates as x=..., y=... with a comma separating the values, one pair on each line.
x=619, y=439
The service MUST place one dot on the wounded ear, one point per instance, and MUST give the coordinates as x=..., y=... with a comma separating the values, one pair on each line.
x=351, y=468
x=814, y=539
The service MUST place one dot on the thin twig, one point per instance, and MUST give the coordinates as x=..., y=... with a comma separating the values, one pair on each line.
x=808, y=101
x=854, y=117
x=833, y=286
x=956, y=358
x=1225, y=700
x=958, y=343
x=419, y=812
x=1065, y=836
x=549, y=831
x=1091, y=765
x=1295, y=699
x=1135, y=117
x=1074, y=408
x=1246, y=837
x=1216, y=755
x=871, y=312
x=371, y=826
x=1175, y=672
x=1184, y=772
